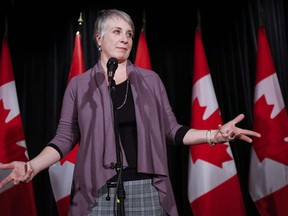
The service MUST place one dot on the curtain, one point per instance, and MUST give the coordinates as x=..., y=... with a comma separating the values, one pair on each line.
x=41, y=37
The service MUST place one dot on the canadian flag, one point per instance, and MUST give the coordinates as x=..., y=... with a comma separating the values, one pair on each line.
x=268, y=183
x=61, y=173
x=213, y=184
x=142, y=54
x=14, y=200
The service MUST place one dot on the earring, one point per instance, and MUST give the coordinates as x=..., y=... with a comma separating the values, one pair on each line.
x=99, y=48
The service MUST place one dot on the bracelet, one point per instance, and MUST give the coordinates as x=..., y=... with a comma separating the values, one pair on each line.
x=208, y=138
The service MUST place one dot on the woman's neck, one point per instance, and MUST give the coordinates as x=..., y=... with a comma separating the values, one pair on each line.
x=120, y=73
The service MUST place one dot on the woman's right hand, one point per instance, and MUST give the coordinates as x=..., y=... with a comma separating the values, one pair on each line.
x=21, y=172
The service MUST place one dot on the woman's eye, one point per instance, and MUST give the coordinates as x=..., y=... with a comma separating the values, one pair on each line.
x=117, y=31
x=130, y=35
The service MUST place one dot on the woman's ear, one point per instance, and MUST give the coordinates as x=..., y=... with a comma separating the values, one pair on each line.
x=97, y=38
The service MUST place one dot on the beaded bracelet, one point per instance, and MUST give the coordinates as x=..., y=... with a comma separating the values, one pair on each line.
x=208, y=138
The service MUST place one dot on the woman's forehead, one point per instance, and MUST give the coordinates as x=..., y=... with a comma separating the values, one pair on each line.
x=118, y=22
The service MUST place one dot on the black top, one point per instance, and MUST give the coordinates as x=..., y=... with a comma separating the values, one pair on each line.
x=128, y=131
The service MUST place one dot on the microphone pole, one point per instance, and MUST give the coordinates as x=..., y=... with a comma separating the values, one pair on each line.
x=112, y=65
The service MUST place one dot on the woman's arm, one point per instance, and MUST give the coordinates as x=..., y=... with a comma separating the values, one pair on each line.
x=25, y=171
x=224, y=133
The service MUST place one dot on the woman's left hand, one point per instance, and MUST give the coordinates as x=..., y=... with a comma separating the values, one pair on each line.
x=229, y=131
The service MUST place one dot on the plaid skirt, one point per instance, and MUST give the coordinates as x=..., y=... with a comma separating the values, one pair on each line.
x=141, y=199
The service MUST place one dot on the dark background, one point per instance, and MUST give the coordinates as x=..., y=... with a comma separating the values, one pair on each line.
x=41, y=39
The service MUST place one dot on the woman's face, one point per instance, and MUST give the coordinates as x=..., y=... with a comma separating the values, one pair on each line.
x=117, y=40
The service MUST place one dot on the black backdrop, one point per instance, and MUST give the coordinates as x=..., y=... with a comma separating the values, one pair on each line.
x=41, y=39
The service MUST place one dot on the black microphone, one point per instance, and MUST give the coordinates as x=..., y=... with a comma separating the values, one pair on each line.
x=112, y=65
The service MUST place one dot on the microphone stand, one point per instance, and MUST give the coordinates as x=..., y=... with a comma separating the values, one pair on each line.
x=119, y=165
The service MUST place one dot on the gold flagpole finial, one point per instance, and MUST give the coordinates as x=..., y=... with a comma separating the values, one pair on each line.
x=80, y=20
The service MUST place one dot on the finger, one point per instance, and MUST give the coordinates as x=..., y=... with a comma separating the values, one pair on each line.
x=7, y=166
x=250, y=133
x=238, y=118
x=232, y=136
x=245, y=138
x=29, y=168
x=29, y=173
x=16, y=181
x=5, y=181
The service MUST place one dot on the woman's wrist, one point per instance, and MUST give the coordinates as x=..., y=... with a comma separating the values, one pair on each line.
x=209, y=137
x=212, y=137
x=31, y=171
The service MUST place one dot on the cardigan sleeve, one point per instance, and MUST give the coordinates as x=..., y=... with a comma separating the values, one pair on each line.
x=178, y=139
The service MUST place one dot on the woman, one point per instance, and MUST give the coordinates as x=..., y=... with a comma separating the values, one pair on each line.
x=142, y=116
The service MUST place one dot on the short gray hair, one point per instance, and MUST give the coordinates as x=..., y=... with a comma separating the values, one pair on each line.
x=104, y=16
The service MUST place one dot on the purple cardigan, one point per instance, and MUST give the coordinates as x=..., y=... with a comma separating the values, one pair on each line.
x=86, y=115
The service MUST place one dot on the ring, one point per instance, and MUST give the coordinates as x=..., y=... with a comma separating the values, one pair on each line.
x=232, y=137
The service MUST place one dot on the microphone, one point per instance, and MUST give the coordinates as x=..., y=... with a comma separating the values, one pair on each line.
x=112, y=65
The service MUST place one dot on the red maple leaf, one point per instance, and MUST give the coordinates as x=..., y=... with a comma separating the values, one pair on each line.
x=273, y=133
x=217, y=154
x=11, y=133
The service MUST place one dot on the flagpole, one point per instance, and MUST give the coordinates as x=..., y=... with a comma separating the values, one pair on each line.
x=198, y=19
x=144, y=23
x=261, y=17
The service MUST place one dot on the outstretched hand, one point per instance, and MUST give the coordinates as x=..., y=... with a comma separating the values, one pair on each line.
x=229, y=131
x=21, y=172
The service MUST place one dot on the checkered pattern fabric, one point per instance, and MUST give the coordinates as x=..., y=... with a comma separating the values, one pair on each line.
x=141, y=199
